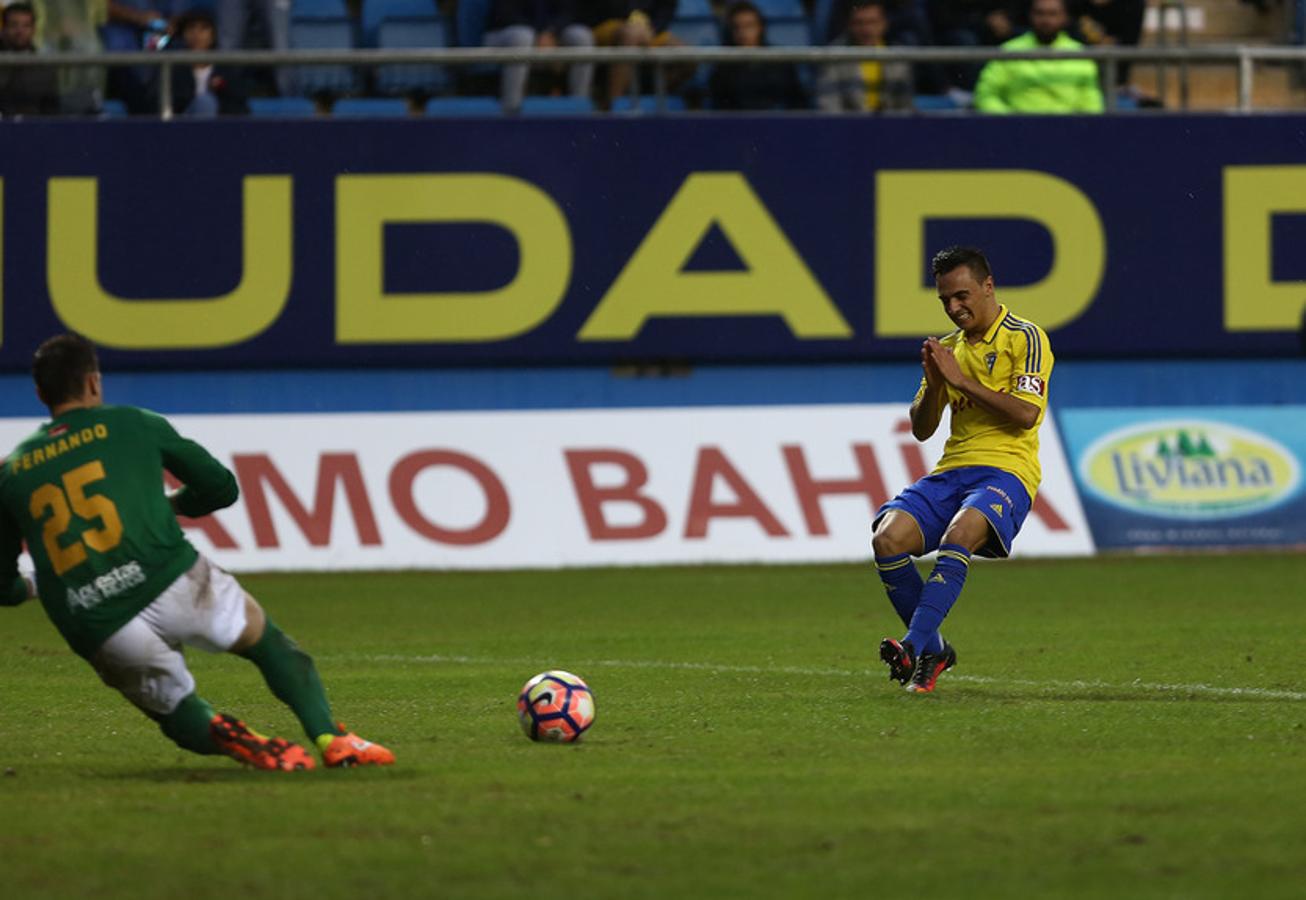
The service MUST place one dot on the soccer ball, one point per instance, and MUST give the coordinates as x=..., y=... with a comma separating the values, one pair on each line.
x=555, y=706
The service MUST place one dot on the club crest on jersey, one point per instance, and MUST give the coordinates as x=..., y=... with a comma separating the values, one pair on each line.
x=989, y=360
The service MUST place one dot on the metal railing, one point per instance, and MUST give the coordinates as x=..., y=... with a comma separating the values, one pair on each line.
x=1243, y=58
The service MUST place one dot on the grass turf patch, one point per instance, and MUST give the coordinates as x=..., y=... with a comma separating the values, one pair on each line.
x=1126, y=727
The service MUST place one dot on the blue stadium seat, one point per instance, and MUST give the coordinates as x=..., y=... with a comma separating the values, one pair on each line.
x=370, y=108
x=318, y=9
x=697, y=32
x=780, y=9
x=935, y=103
x=282, y=107
x=557, y=106
x=407, y=34
x=694, y=9
x=113, y=109
x=789, y=33
x=821, y=24
x=464, y=107
x=647, y=104
x=322, y=34
x=470, y=20
x=377, y=11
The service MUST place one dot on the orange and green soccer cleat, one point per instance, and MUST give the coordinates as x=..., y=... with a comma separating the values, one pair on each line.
x=275, y=754
x=343, y=750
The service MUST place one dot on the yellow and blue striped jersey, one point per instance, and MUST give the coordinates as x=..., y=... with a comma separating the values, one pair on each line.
x=1014, y=357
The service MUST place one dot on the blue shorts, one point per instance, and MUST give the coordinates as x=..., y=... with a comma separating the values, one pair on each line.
x=936, y=499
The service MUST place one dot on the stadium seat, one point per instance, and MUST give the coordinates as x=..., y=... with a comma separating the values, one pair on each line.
x=113, y=109
x=647, y=104
x=464, y=107
x=557, y=106
x=697, y=32
x=935, y=103
x=694, y=9
x=822, y=12
x=470, y=19
x=780, y=9
x=282, y=107
x=789, y=33
x=318, y=9
x=409, y=78
x=376, y=12
x=322, y=34
x=371, y=108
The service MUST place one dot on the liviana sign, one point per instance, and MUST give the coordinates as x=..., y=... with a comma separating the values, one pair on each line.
x=1190, y=469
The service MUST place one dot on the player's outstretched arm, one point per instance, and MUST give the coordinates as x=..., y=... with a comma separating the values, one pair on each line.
x=1015, y=410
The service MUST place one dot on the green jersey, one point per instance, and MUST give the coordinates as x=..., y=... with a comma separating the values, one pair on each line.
x=86, y=493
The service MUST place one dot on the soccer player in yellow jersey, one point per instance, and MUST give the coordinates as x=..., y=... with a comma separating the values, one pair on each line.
x=992, y=373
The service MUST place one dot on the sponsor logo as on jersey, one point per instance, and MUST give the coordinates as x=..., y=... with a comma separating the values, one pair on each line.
x=1030, y=384
x=1190, y=469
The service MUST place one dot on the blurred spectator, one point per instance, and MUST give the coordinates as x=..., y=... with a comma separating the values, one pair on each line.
x=73, y=26
x=1041, y=86
x=1112, y=22
x=24, y=91
x=134, y=25
x=207, y=90
x=864, y=86
x=753, y=86
x=909, y=22
x=538, y=23
x=234, y=21
x=973, y=23
x=629, y=23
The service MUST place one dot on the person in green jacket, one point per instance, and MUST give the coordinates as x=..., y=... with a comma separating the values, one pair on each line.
x=124, y=587
x=1040, y=86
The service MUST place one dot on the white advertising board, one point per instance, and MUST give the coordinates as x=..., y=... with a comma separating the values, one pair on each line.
x=479, y=490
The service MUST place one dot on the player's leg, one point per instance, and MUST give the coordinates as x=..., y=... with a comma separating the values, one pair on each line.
x=895, y=538
x=151, y=673
x=908, y=525
x=992, y=510
x=292, y=677
x=966, y=533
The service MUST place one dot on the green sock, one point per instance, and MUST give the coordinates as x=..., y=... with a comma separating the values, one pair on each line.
x=291, y=675
x=188, y=725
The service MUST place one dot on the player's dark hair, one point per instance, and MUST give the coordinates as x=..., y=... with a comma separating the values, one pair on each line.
x=7, y=11
x=60, y=367
x=950, y=258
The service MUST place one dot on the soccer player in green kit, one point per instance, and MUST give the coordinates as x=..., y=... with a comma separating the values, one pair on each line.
x=123, y=585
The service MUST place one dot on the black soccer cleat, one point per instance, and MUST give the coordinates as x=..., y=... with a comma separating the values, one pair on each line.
x=900, y=658
x=928, y=669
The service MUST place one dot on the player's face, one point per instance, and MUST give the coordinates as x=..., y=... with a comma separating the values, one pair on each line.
x=969, y=303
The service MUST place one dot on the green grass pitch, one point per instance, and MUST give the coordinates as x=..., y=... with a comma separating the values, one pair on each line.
x=1129, y=727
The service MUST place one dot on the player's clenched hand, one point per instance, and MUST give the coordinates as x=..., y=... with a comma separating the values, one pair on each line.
x=933, y=377
x=944, y=362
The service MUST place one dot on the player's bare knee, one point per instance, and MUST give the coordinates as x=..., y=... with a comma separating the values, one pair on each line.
x=890, y=541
